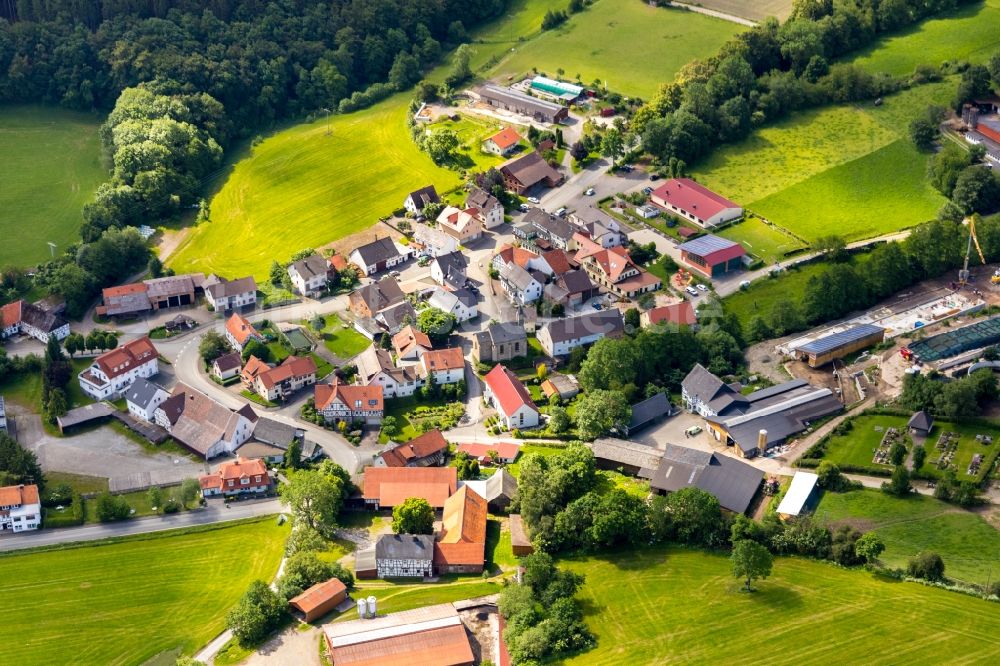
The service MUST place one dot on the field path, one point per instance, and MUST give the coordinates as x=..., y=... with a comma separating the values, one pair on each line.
x=715, y=14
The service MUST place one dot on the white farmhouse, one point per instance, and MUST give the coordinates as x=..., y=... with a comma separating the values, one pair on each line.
x=510, y=398
x=20, y=508
x=143, y=397
x=561, y=336
x=113, y=372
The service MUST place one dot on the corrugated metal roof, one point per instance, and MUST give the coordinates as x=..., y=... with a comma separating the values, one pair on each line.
x=798, y=493
x=707, y=244
x=831, y=342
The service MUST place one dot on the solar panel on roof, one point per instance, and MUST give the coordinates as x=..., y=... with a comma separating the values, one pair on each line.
x=831, y=342
x=706, y=245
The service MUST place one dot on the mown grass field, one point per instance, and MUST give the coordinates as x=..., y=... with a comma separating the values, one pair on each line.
x=667, y=605
x=630, y=45
x=762, y=240
x=970, y=32
x=303, y=188
x=124, y=602
x=50, y=165
x=969, y=546
x=472, y=131
x=754, y=10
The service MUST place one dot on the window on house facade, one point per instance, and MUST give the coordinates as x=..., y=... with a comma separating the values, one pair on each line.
x=231, y=483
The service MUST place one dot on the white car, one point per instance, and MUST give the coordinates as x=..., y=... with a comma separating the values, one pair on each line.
x=701, y=287
x=691, y=290
x=589, y=192
x=534, y=200
x=525, y=208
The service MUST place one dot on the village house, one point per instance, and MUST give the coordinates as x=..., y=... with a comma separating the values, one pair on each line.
x=271, y=439
x=526, y=259
x=309, y=275
x=338, y=402
x=31, y=319
x=442, y=366
x=561, y=336
x=502, y=143
x=240, y=477
x=571, y=289
x=461, y=546
x=712, y=256
x=227, y=366
x=613, y=269
x=375, y=368
x=462, y=225
x=386, y=487
x=522, y=173
x=239, y=331
x=379, y=255
x=434, y=242
x=521, y=286
x=320, y=599
x=415, y=201
x=598, y=227
x=733, y=482
x=462, y=303
x=499, y=342
x=369, y=300
x=448, y=270
x=112, y=373
x=143, y=397
x=223, y=294
x=281, y=381
x=410, y=344
x=205, y=426
x=511, y=399
x=404, y=556
x=426, y=450
x=393, y=318
x=673, y=315
x=508, y=99
x=695, y=202
x=20, y=508
x=490, y=210
x=538, y=224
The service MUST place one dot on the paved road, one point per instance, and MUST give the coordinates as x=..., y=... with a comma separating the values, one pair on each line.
x=214, y=513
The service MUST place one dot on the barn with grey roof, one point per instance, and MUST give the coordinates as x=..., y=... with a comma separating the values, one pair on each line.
x=733, y=482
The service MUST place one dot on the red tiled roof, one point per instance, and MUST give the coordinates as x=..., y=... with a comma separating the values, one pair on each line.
x=692, y=197
x=10, y=314
x=293, y=366
x=242, y=468
x=19, y=495
x=125, y=290
x=613, y=262
x=507, y=450
x=459, y=553
x=443, y=359
x=464, y=518
x=369, y=397
x=253, y=367
x=518, y=255
x=558, y=261
x=444, y=646
x=508, y=389
x=241, y=329
x=677, y=313
x=317, y=595
x=425, y=445
x=338, y=262
x=392, y=485
x=410, y=337
x=130, y=355
x=505, y=138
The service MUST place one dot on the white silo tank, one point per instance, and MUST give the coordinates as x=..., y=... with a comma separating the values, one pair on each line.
x=372, y=607
x=362, y=608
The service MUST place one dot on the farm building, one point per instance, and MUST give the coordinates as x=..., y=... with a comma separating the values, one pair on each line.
x=525, y=105
x=981, y=334
x=560, y=90
x=404, y=555
x=461, y=546
x=522, y=173
x=695, y=202
x=319, y=599
x=426, y=450
x=800, y=495
x=31, y=319
x=712, y=256
x=519, y=541
x=564, y=386
x=630, y=457
x=386, y=487
x=503, y=142
x=838, y=345
x=500, y=489
x=648, y=412
x=733, y=482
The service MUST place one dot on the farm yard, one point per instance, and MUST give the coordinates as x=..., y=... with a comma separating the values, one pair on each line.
x=127, y=601
x=665, y=605
x=303, y=188
x=969, y=546
x=967, y=33
x=51, y=166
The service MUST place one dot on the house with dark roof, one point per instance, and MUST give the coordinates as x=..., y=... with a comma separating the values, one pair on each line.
x=571, y=288
x=127, y=300
x=508, y=99
x=598, y=227
x=143, y=397
x=271, y=440
x=375, y=368
x=510, y=398
x=205, y=426
x=920, y=424
x=379, y=255
x=393, y=318
x=733, y=482
x=521, y=286
x=31, y=319
x=499, y=342
x=309, y=275
x=338, y=402
x=629, y=457
x=712, y=256
x=488, y=207
x=522, y=173
x=449, y=270
x=416, y=200
x=369, y=300
x=425, y=450
x=461, y=303
x=564, y=386
x=501, y=487
x=227, y=366
x=404, y=556
x=695, y=202
x=761, y=420
x=557, y=231
x=647, y=412
x=223, y=294
x=561, y=336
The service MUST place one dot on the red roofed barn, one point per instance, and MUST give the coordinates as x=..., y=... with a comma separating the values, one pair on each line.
x=319, y=599
x=695, y=202
x=386, y=487
x=712, y=255
x=423, y=451
x=462, y=545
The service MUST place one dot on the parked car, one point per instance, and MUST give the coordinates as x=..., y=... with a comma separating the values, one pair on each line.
x=647, y=190
x=692, y=431
x=691, y=290
x=534, y=200
x=589, y=192
x=597, y=306
x=524, y=208
x=654, y=176
x=394, y=274
x=701, y=287
x=561, y=212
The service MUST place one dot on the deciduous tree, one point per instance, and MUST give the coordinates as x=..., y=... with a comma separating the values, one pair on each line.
x=413, y=516
x=751, y=561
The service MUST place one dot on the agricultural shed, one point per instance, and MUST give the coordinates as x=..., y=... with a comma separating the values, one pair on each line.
x=823, y=350
x=319, y=599
x=519, y=541
x=85, y=414
x=799, y=496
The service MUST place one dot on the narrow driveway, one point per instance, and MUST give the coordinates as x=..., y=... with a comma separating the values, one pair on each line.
x=216, y=512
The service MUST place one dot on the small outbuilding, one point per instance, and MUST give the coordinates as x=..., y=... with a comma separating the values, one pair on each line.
x=921, y=423
x=319, y=599
x=519, y=542
x=800, y=496
x=648, y=412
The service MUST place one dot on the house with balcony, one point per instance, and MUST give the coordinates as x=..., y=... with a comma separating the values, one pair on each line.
x=112, y=373
x=20, y=508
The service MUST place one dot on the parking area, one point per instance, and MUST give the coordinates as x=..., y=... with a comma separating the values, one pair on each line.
x=673, y=430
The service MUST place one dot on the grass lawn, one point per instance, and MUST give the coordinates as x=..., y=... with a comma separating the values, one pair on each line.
x=762, y=240
x=403, y=409
x=667, y=605
x=602, y=43
x=967, y=33
x=126, y=601
x=540, y=449
x=26, y=389
x=138, y=500
x=303, y=188
x=80, y=483
x=341, y=339
x=472, y=131
x=499, y=552
x=969, y=546
x=51, y=166
x=858, y=446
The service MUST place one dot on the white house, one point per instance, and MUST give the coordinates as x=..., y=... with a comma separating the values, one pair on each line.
x=435, y=241
x=415, y=201
x=227, y=366
x=695, y=202
x=113, y=372
x=281, y=381
x=463, y=225
x=375, y=368
x=446, y=366
x=489, y=207
x=224, y=294
x=449, y=269
x=33, y=320
x=143, y=397
x=309, y=275
x=510, y=398
x=205, y=426
x=521, y=286
x=461, y=303
x=561, y=336
x=239, y=331
x=379, y=255
x=242, y=477
x=20, y=508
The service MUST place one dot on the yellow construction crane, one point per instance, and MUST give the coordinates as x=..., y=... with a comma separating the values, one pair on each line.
x=963, y=275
